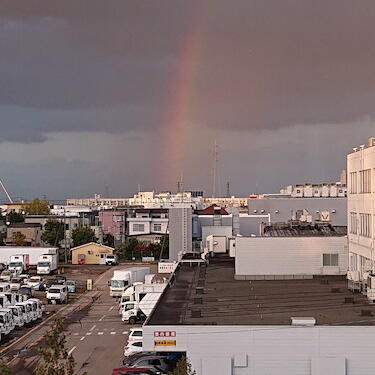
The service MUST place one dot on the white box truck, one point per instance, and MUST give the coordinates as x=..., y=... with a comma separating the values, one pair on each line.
x=137, y=312
x=47, y=263
x=126, y=277
x=34, y=253
x=138, y=291
x=19, y=263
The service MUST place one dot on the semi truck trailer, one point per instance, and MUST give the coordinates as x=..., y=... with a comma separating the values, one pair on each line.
x=126, y=277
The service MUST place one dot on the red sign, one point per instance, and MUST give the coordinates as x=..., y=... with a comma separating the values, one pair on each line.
x=165, y=334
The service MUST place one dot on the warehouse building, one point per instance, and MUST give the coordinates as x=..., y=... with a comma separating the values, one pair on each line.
x=361, y=216
x=91, y=253
x=262, y=327
x=292, y=250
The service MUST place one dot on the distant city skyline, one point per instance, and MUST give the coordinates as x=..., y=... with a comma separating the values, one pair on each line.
x=112, y=96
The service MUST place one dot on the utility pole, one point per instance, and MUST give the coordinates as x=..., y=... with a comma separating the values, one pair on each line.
x=66, y=254
x=214, y=177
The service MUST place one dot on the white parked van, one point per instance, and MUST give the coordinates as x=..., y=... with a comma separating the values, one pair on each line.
x=18, y=315
x=57, y=294
x=26, y=311
x=6, y=321
x=39, y=306
x=4, y=287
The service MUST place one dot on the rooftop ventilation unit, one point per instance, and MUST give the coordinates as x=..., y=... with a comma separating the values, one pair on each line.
x=304, y=322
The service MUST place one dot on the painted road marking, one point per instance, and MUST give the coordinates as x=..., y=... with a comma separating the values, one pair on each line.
x=82, y=338
x=88, y=333
x=125, y=332
x=100, y=333
x=111, y=308
x=101, y=318
x=75, y=334
x=71, y=350
x=113, y=333
x=93, y=327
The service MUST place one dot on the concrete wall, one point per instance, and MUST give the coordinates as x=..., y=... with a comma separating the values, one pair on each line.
x=180, y=232
x=280, y=208
x=361, y=248
x=250, y=224
x=272, y=350
x=257, y=257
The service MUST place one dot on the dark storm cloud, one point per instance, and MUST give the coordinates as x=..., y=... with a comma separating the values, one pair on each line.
x=113, y=66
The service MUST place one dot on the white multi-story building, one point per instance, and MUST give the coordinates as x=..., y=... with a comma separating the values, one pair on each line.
x=361, y=214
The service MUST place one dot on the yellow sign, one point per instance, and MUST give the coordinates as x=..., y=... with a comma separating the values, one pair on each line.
x=164, y=342
x=89, y=284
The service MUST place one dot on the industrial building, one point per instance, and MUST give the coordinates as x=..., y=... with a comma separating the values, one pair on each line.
x=291, y=251
x=258, y=327
x=91, y=253
x=361, y=216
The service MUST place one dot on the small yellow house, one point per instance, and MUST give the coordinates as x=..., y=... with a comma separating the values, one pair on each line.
x=90, y=253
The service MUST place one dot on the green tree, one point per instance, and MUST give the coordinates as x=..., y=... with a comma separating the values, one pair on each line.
x=164, y=247
x=53, y=232
x=4, y=369
x=55, y=359
x=183, y=367
x=20, y=239
x=108, y=240
x=37, y=207
x=15, y=217
x=83, y=235
x=2, y=243
x=127, y=250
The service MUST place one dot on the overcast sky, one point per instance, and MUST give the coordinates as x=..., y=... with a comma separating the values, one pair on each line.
x=100, y=96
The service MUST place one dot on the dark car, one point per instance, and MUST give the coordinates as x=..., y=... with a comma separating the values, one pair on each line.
x=48, y=283
x=25, y=290
x=60, y=279
x=137, y=371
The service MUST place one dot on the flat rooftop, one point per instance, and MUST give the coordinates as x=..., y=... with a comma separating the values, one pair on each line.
x=200, y=295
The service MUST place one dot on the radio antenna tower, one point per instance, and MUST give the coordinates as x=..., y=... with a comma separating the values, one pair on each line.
x=214, y=177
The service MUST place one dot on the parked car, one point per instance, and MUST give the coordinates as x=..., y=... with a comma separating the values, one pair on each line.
x=133, y=347
x=160, y=362
x=136, y=334
x=57, y=294
x=15, y=284
x=137, y=371
x=6, y=275
x=35, y=283
x=47, y=283
x=3, y=267
x=25, y=290
x=71, y=284
x=60, y=279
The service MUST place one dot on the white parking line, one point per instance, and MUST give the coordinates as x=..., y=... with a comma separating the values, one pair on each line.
x=125, y=332
x=113, y=333
x=82, y=338
x=100, y=333
x=75, y=334
x=102, y=318
x=71, y=350
x=88, y=333
x=111, y=308
x=93, y=327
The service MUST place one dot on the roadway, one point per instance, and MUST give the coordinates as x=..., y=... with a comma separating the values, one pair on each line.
x=95, y=334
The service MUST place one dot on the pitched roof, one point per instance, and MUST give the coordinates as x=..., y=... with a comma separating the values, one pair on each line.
x=211, y=210
x=91, y=243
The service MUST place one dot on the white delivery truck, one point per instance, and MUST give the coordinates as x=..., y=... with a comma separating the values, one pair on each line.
x=137, y=312
x=34, y=252
x=138, y=291
x=7, y=324
x=47, y=263
x=19, y=263
x=126, y=277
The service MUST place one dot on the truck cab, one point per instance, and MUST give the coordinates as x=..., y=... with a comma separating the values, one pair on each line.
x=47, y=263
x=6, y=321
x=26, y=311
x=4, y=287
x=57, y=294
x=18, y=315
x=19, y=263
x=39, y=306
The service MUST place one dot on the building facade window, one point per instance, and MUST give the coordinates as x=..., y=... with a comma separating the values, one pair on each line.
x=138, y=227
x=365, y=225
x=365, y=181
x=353, y=223
x=330, y=260
x=353, y=183
x=157, y=227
